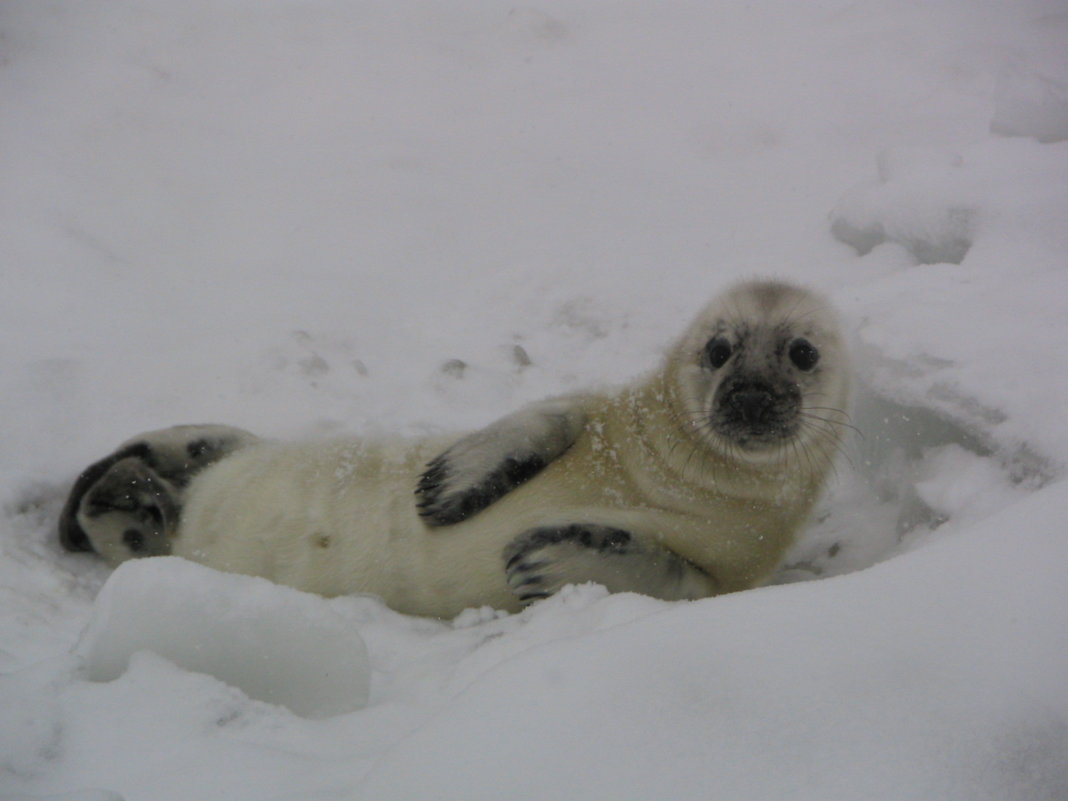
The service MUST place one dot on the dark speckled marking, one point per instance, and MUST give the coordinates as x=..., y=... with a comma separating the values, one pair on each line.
x=602, y=539
x=199, y=451
x=197, y=448
x=528, y=597
x=440, y=509
x=526, y=572
x=71, y=535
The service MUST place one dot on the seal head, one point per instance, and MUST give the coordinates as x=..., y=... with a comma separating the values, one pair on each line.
x=762, y=372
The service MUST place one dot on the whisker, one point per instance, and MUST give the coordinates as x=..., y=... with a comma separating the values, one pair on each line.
x=844, y=414
x=808, y=416
x=829, y=441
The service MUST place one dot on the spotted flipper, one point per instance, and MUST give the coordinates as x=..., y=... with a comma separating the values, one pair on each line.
x=485, y=465
x=128, y=503
x=541, y=560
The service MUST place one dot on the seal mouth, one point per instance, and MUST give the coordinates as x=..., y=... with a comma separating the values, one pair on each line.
x=756, y=415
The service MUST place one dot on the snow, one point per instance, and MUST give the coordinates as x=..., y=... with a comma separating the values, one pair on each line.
x=1028, y=104
x=314, y=216
x=791, y=674
x=272, y=643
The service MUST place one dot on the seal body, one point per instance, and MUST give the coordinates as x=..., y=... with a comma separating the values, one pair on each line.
x=691, y=482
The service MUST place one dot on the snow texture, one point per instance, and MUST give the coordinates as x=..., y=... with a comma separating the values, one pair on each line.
x=275, y=644
x=307, y=218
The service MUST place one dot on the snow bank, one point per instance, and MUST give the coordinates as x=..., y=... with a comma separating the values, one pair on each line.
x=972, y=241
x=273, y=643
x=937, y=675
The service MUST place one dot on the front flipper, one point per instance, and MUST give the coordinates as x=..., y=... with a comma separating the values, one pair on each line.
x=485, y=465
x=542, y=560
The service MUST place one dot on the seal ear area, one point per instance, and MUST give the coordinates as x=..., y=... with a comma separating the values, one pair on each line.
x=71, y=535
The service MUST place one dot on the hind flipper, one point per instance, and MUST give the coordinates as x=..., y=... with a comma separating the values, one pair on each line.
x=128, y=503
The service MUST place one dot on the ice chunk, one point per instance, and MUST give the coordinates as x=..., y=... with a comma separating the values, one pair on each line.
x=272, y=642
x=917, y=203
x=1029, y=104
x=932, y=232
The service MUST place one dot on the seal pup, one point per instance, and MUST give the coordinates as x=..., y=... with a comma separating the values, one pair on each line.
x=688, y=483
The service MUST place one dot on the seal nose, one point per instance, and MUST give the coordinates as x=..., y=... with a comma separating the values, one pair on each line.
x=752, y=403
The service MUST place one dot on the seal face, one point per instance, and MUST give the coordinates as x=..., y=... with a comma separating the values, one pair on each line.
x=753, y=369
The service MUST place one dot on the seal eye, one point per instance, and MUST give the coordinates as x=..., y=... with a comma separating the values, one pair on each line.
x=717, y=352
x=804, y=354
x=133, y=539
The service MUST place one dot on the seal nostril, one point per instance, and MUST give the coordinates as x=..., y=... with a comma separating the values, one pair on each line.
x=752, y=404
